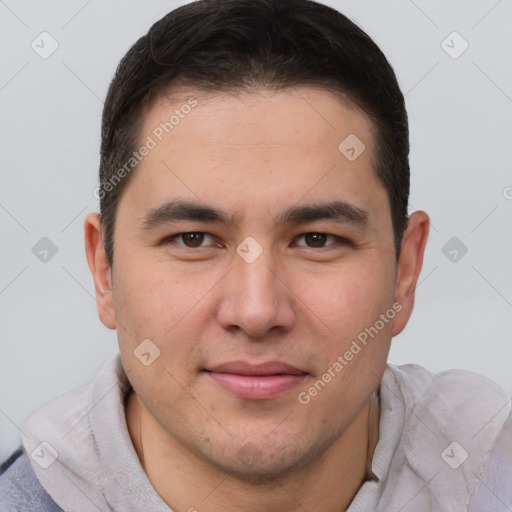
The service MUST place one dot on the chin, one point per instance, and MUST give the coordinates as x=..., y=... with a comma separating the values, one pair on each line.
x=261, y=472
x=263, y=461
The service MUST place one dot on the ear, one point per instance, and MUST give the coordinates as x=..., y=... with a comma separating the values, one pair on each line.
x=100, y=269
x=409, y=267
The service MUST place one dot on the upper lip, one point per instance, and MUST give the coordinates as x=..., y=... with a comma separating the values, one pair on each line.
x=244, y=368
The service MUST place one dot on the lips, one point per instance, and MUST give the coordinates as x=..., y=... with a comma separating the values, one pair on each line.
x=256, y=382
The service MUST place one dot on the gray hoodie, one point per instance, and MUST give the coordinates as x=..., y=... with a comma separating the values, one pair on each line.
x=437, y=434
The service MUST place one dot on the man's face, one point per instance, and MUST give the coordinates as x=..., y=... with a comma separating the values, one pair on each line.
x=299, y=291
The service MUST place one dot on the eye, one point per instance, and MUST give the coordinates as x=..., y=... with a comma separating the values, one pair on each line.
x=318, y=240
x=191, y=239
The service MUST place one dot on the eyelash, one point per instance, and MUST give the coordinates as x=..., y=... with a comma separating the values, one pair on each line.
x=338, y=240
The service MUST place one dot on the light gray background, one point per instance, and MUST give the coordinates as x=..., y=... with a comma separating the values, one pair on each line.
x=461, y=137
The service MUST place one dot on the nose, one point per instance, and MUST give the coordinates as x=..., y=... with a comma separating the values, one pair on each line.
x=256, y=298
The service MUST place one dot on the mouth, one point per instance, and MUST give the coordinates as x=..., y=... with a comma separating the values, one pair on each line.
x=256, y=382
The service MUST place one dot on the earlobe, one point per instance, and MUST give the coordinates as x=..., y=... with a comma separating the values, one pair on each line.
x=409, y=266
x=100, y=270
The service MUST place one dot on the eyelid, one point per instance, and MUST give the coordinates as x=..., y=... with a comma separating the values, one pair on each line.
x=313, y=233
x=173, y=239
x=337, y=240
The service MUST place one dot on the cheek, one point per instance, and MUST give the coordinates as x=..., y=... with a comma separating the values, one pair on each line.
x=348, y=300
x=168, y=308
x=359, y=312
x=351, y=303
x=153, y=306
x=151, y=298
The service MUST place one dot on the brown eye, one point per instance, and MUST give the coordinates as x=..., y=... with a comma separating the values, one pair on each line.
x=315, y=239
x=193, y=239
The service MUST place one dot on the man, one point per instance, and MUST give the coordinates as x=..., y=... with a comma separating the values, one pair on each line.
x=255, y=256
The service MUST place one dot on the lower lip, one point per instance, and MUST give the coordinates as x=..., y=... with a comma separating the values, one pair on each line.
x=256, y=387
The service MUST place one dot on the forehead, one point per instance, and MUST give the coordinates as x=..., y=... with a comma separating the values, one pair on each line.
x=255, y=145
x=293, y=116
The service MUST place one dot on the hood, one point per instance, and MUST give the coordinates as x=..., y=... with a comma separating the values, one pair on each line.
x=81, y=451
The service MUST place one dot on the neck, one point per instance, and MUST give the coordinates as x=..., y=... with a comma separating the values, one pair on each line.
x=187, y=483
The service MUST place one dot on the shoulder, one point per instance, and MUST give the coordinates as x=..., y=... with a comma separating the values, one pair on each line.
x=460, y=401
x=456, y=408
x=449, y=423
x=20, y=490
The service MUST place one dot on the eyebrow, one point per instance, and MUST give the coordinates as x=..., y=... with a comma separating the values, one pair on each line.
x=174, y=211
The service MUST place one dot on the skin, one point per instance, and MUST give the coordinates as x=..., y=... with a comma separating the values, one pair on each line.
x=254, y=155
